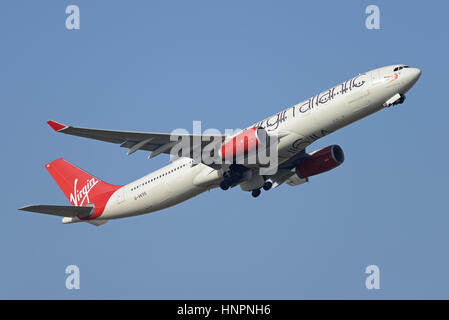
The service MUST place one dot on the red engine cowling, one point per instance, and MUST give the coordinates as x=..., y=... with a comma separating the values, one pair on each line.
x=321, y=161
x=243, y=143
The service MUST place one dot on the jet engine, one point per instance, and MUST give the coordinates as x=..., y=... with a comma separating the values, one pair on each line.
x=241, y=145
x=321, y=161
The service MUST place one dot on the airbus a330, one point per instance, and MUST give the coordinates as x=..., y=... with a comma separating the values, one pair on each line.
x=294, y=129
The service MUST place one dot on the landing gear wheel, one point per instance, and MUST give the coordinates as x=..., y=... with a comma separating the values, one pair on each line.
x=224, y=185
x=267, y=185
x=255, y=193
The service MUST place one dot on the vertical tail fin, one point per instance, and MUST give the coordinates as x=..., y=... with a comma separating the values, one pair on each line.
x=80, y=187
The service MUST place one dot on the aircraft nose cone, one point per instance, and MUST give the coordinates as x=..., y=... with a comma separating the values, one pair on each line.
x=416, y=73
x=411, y=76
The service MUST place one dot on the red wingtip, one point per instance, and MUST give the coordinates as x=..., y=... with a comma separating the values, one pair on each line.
x=56, y=126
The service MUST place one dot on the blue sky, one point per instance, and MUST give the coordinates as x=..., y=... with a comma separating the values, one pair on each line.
x=159, y=65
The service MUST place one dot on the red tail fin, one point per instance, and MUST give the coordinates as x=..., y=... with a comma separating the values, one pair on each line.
x=80, y=187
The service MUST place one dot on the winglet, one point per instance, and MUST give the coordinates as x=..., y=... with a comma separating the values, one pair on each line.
x=56, y=126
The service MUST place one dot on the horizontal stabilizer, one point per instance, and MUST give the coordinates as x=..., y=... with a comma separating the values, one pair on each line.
x=61, y=211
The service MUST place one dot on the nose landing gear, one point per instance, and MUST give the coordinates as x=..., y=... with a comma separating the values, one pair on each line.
x=398, y=98
x=255, y=193
x=401, y=100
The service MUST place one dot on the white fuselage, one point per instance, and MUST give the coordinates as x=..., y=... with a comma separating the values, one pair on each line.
x=299, y=126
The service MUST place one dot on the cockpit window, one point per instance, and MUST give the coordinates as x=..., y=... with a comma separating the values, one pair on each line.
x=400, y=68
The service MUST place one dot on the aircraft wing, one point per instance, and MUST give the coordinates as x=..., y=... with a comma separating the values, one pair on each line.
x=156, y=142
x=286, y=171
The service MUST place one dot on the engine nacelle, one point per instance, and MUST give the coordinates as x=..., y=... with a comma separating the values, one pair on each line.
x=321, y=161
x=243, y=143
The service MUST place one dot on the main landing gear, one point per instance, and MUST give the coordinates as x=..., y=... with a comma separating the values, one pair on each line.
x=266, y=186
x=236, y=174
x=233, y=176
x=224, y=185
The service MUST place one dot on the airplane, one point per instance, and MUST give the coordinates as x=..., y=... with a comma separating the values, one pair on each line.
x=294, y=129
